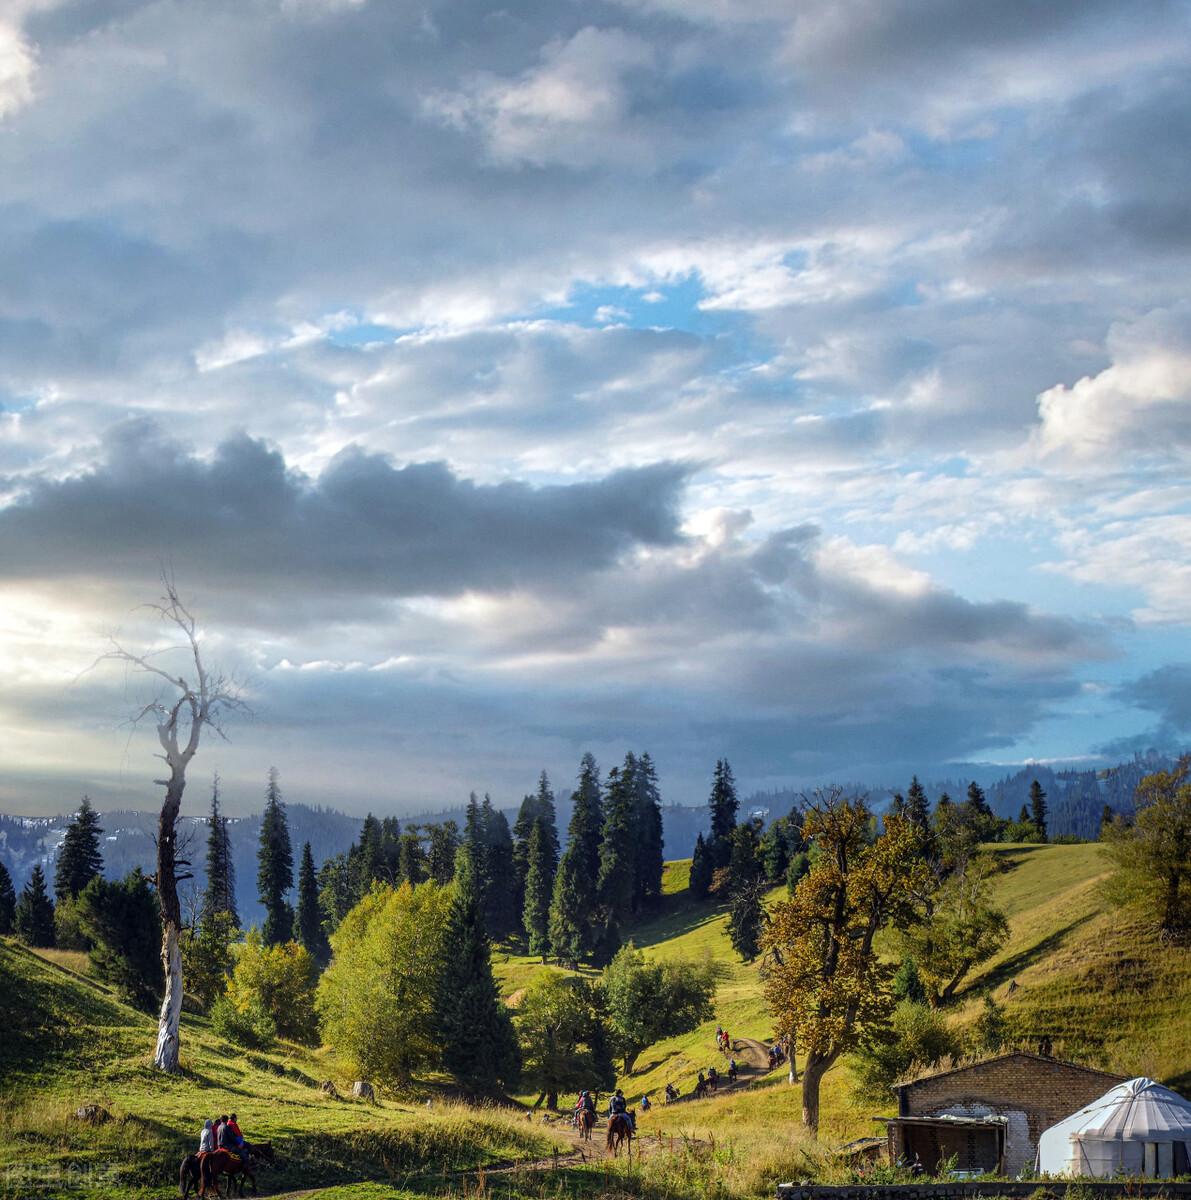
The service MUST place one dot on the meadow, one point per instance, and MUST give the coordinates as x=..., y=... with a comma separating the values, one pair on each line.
x=1092, y=980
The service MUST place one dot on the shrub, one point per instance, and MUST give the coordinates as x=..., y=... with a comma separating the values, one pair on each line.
x=281, y=980
x=249, y=1026
x=917, y=1036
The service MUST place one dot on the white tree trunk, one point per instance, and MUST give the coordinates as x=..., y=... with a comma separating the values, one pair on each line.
x=168, y=1041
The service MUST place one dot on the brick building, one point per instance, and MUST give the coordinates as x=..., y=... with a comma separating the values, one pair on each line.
x=989, y=1114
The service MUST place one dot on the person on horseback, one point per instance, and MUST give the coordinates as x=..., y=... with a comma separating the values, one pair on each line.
x=207, y=1137
x=237, y=1142
x=713, y=1078
x=645, y=1104
x=732, y=1071
x=619, y=1106
x=671, y=1093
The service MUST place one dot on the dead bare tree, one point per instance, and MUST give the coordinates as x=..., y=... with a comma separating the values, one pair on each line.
x=186, y=703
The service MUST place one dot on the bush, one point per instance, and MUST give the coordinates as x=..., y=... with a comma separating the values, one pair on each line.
x=917, y=1036
x=68, y=930
x=250, y=1026
x=281, y=980
x=121, y=921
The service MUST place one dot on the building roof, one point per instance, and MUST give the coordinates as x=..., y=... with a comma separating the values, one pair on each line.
x=984, y=1062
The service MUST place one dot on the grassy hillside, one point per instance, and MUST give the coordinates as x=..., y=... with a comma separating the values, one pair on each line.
x=68, y=1042
x=1096, y=983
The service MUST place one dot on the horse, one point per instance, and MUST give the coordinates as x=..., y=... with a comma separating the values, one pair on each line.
x=222, y=1162
x=620, y=1130
x=188, y=1175
x=587, y=1119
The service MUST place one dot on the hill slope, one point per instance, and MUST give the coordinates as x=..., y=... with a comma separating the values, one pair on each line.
x=1094, y=981
x=69, y=1042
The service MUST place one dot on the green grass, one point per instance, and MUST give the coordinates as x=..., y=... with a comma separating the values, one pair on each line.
x=69, y=1042
x=1094, y=981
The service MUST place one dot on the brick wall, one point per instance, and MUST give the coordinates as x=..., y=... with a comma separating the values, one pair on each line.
x=1045, y=1090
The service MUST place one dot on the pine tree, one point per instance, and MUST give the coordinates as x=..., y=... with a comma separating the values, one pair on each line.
x=411, y=858
x=617, y=860
x=647, y=879
x=918, y=810
x=444, y=843
x=522, y=829
x=8, y=901
x=33, y=919
x=1106, y=818
x=473, y=1026
x=539, y=887
x=1038, y=808
x=79, y=860
x=275, y=873
x=500, y=917
x=122, y=923
x=701, y=870
x=220, y=895
x=586, y=830
x=309, y=915
x=573, y=906
x=471, y=862
x=366, y=858
x=570, y=928
x=1023, y=817
x=977, y=800
x=724, y=805
x=746, y=891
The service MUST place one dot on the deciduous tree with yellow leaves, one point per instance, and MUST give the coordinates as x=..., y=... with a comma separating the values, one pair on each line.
x=824, y=982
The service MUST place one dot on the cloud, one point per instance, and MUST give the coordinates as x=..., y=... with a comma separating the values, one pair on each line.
x=245, y=521
x=1139, y=408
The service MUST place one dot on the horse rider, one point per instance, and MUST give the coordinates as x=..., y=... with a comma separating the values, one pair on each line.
x=645, y=1103
x=700, y=1085
x=732, y=1071
x=207, y=1138
x=237, y=1138
x=671, y=1093
x=713, y=1078
x=618, y=1106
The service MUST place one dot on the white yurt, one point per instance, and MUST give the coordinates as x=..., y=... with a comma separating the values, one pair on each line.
x=1137, y=1128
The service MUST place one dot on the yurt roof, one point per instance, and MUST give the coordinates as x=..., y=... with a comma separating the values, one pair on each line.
x=1136, y=1109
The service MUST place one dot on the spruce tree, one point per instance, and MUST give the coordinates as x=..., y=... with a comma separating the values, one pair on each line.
x=746, y=885
x=123, y=925
x=1038, y=808
x=724, y=805
x=1023, y=817
x=309, y=914
x=220, y=894
x=367, y=858
x=79, y=860
x=586, y=830
x=500, y=917
x=411, y=858
x=539, y=887
x=472, y=1023
x=33, y=920
x=617, y=862
x=8, y=901
x=647, y=875
x=444, y=843
x=977, y=801
x=471, y=862
x=275, y=873
x=1106, y=818
x=570, y=928
x=702, y=870
x=522, y=829
x=918, y=810
x=574, y=915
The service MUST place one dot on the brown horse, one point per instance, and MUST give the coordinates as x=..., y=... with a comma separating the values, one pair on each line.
x=620, y=1130
x=188, y=1175
x=237, y=1168
x=586, y=1120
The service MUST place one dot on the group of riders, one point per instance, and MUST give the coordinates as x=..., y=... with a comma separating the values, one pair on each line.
x=222, y=1150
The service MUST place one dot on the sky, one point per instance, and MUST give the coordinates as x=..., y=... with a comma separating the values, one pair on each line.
x=806, y=384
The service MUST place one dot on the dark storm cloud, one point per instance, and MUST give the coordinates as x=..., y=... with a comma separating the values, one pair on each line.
x=243, y=519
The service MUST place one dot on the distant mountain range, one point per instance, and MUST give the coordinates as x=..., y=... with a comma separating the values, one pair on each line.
x=1076, y=799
